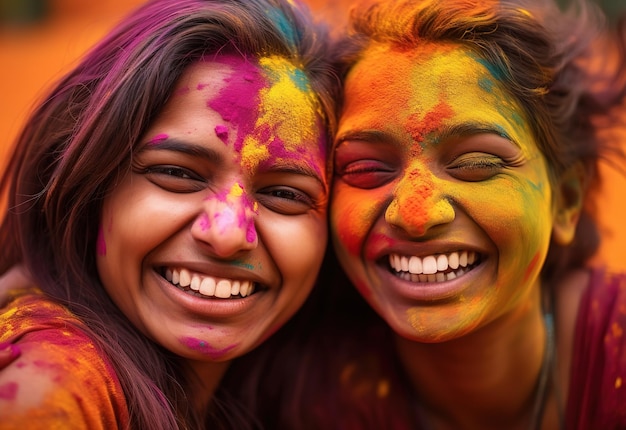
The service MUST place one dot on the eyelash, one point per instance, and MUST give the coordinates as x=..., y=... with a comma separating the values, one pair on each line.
x=168, y=171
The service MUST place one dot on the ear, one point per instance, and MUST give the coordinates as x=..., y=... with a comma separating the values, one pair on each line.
x=568, y=199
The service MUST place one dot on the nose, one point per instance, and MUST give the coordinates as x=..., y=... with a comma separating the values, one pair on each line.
x=419, y=202
x=226, y=223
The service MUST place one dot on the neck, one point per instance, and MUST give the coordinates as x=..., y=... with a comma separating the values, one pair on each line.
x=205, y=378
x=485, y=379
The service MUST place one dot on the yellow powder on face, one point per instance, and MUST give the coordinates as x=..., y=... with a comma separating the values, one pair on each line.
x=288, y=114
x=236, y=190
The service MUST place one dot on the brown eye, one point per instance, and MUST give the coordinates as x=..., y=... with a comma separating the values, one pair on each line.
x=174, y=178
x=285, y=200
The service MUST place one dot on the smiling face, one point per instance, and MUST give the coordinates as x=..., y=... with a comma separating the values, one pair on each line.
x=215, y=237
x=442, y=207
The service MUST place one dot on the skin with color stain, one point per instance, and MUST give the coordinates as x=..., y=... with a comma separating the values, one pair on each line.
x=434, y=158
x=215, y=235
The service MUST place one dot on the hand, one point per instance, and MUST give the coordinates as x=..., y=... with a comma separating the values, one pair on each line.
x=16, y=277
x=8, y=354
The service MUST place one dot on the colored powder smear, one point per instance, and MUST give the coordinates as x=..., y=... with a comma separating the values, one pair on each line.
x=412, y=202
x=221, y=131
x=273, y=109
x=235, y=211
x=158, y=139
x=205, y=348
x=8, y=391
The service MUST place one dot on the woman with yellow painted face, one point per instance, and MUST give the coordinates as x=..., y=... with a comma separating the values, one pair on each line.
x=464, y=163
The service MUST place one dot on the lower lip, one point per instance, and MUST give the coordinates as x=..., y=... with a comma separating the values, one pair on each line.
x=429, y=291
x=208, y=306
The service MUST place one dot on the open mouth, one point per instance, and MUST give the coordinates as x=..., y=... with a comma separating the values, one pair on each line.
x=433, y=268
x=208, y=286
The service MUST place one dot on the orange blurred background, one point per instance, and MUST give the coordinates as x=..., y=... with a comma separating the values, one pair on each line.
x=34, y=55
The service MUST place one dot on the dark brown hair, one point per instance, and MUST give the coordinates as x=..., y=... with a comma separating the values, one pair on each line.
x=82, y=137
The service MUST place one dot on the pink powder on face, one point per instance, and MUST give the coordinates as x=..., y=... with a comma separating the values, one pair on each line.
x=101, y=246
x=8, y=391
x=205, y=222
x=239, y=100
x=221, y=131
x=157, y=139
x=251, y=232
x=205, y=348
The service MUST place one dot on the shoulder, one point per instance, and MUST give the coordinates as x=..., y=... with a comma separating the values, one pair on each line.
x=61, y=377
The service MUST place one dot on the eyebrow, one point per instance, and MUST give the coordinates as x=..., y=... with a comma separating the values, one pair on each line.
x=188, y=148
x=472, y=128
x=445, y=132
x=299, y=169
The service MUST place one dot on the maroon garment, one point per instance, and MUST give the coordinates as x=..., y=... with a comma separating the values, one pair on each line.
x=597, y=394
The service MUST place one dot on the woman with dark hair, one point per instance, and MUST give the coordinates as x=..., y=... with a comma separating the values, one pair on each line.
x=464, y=165
x=168, y=201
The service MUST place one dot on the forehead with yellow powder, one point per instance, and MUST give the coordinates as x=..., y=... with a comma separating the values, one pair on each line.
x=289, y=116
x=426, y=88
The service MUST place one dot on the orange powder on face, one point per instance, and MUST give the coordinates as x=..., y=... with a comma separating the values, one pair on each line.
x=419, y=127
x=412, y=202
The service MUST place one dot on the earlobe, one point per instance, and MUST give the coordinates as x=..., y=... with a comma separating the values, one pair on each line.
x=569, y=197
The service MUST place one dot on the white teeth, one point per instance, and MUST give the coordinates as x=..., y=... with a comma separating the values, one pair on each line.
x=209, y=286
x=453, y=261
x=463, y=259
x=415, y=265
x=235, y=288
x=442, y=263
x=432, y=268
x=185, y=278
x=404, y=263
x=429, y=265
x=222, y=289
x=195, y=283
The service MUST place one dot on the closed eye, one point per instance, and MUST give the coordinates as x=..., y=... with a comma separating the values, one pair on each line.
x=366, y=174
x=476, y=166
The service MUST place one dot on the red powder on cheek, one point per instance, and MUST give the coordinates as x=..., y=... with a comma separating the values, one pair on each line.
x=8, y=391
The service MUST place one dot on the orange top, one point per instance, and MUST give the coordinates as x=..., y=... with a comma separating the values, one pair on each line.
x=61, y=380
